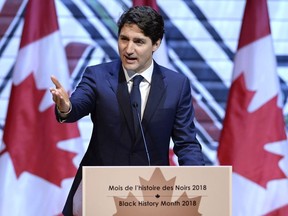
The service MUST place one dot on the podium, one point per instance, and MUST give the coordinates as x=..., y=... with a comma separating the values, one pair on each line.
x=157, y=191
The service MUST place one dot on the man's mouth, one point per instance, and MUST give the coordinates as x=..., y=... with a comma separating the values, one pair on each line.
x=130, y=59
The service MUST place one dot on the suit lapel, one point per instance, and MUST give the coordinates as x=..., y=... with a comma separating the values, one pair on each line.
x=156, y=93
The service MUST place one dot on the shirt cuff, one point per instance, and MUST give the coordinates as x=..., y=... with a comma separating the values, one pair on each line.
x=63, y=115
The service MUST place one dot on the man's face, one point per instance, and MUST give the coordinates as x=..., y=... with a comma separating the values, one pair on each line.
x=135, y=49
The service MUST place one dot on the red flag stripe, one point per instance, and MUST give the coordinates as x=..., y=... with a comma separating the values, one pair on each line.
x=256, y=21
x=39, y=22
x=151, y=3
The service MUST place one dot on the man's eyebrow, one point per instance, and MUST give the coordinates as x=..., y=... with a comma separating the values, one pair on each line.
x=121, y=35
x=139, y=38
x=134, y=39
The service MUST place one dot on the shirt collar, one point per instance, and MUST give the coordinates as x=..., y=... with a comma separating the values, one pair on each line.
x=147, y=74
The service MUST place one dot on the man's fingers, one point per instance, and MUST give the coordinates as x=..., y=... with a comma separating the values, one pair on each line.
x=59, y=96
x=56, y=96
x=56, y=82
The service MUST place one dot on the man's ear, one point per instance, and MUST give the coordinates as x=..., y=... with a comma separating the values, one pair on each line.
x=156, y=45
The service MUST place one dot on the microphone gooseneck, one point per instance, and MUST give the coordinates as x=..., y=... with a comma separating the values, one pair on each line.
x=135, y=106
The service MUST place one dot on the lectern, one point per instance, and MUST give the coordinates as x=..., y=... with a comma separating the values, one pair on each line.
x=157, y=191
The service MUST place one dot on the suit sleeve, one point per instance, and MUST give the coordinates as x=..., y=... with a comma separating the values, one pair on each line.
x=83, y=98
x=186, y=145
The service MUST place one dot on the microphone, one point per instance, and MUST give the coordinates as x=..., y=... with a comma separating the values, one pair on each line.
x=135, y=106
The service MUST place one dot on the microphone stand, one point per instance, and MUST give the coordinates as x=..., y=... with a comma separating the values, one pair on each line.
x=135, y=105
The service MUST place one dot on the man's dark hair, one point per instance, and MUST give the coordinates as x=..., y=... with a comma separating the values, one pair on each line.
x=147, y=19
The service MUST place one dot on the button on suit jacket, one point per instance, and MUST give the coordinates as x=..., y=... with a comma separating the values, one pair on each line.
x=103, y=93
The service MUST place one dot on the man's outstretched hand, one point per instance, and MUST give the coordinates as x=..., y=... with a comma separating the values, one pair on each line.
x=60, y=96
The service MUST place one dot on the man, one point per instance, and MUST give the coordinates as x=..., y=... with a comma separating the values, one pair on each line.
x=165, y=104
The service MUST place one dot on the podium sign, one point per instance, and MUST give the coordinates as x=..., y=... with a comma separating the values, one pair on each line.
x=159, y=191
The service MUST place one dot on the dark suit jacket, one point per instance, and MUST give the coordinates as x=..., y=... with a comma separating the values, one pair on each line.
x=103, y=93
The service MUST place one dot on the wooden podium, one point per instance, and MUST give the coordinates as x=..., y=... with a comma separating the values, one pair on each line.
x=157, y=191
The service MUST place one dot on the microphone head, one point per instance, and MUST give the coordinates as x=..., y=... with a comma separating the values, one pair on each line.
x=135, y=105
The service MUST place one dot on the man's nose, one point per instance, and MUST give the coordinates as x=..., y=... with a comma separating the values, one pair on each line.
x=130, y=48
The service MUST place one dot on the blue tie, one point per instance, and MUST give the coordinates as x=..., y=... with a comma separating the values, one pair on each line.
x=135, y=97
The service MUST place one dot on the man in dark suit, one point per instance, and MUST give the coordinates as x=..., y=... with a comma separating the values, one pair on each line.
x=164, y=105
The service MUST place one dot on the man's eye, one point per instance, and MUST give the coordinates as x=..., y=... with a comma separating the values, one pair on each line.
x=139, y=42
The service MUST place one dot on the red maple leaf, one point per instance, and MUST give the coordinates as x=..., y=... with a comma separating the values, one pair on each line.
x=245, y=134
x=282, y=211
x=31, y=136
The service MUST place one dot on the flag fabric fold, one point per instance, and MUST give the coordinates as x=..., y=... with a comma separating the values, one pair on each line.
x=253, y=138
x=37, y=161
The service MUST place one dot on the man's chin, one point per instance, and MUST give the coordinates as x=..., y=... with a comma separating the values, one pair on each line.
x=130, y=67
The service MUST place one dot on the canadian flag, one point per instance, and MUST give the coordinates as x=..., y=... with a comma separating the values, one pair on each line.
x=253, y=138
x=161, y=57
x=37, y=161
